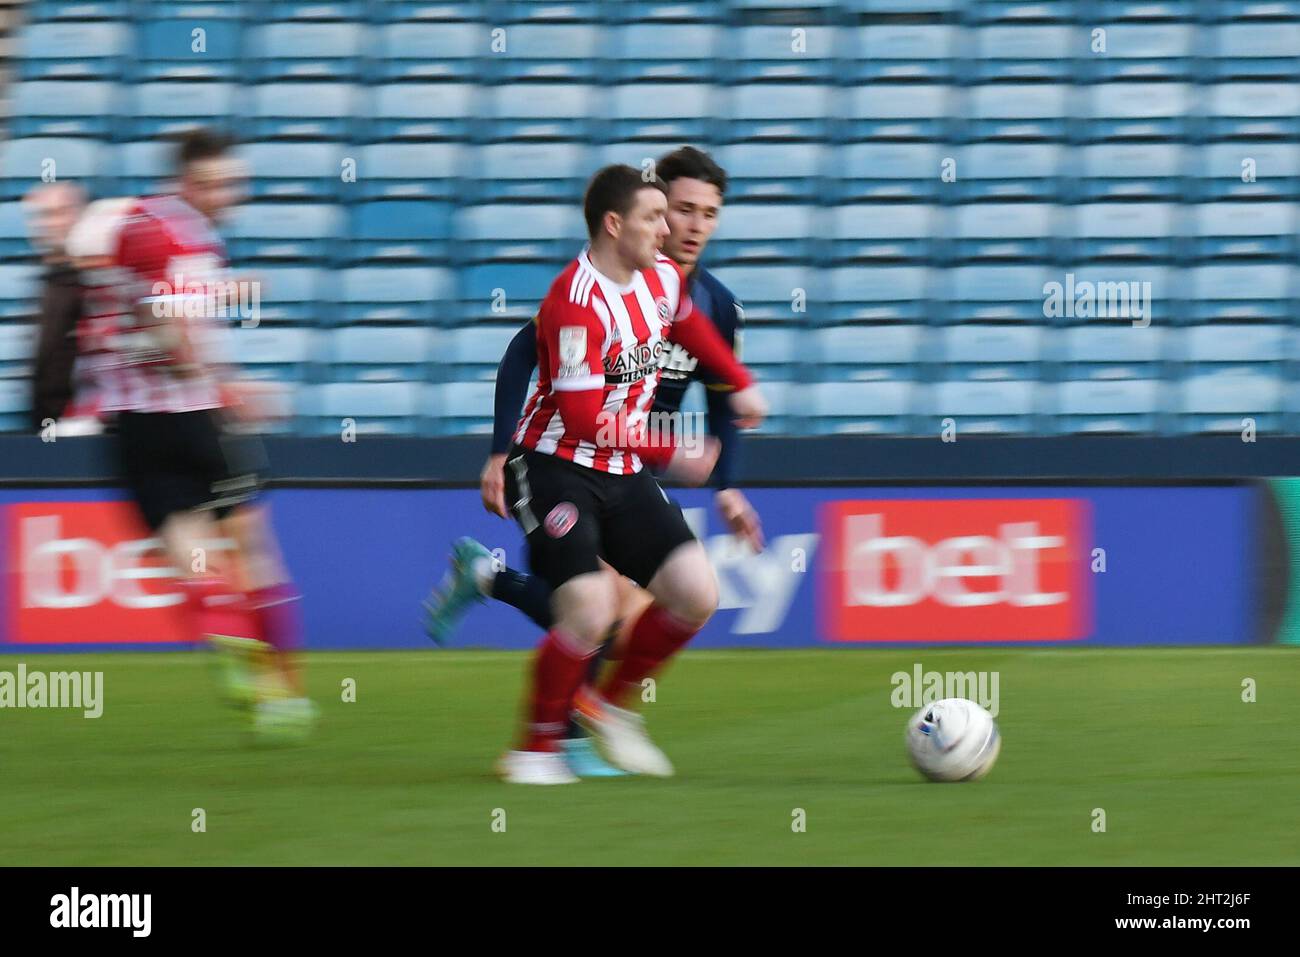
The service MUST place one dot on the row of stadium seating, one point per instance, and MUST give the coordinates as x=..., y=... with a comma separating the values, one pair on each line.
x=203, y=48
x=694, y=112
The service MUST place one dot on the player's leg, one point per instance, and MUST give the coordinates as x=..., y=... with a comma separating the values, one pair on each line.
x=475, y=574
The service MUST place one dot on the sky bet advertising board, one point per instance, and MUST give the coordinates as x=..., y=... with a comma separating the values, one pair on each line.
x=843, y=568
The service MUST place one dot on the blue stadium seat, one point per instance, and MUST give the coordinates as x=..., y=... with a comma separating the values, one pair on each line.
x=15, y=400
x=176, y=50
x=681, y=112
x=1246, y=170
x=64, y=108
x=904, y=6
x=863, y=407
x=1006, y=171
x=162, y=109
x=876, y=171
x=375, y=408
x=1213, y=346
x=778, y=111
x=292, y=294
x=1125, y=230
x=474, y=352
x=1006, y=231
x=200, y=9
x=896, y=111
x=309, y=172
x=14, y=242
x=678, y=11
x=40, y=11
x=1111, y=406
x=781, y=53
x=73, y=51
x=420, y=111
x=417, y=11
x=306, y=51
x=550, y=10
x=772, y=171
x=19, y=290
x=304, y=111
x=1220, y=401
x=559, y=111
x=759, y=231
x=868, y=353
x=993, y=294
x=390, y=294
x=1017, y=111
x=502, y=231
x=408, y=171
x=991, y=353
x=878, y=231
x=285, y=231
x=1007, y=407
x=776, y=294
x=1269, y=10
x=17, y=343
x=1140, y=52
x=1253, y=110
x=1118, y=291
x=1020, y=53
x=546, y=51
x=665, y=51
x=461, y=408
x=142, y=167
x=406, y=230
x=641, y=154
x=311, y=9
x=1131, y=171
x=1144, y=111
x=1243, y=291
x=266, y=353
x=1014, y=11
x=771, y=349
x=428, y=51
x=29, y=162
x=1248, y=51
x=873, y=294
x=1110, y=351
x=1231, y=230
x=555, y=172
x=504, y=292
x=1146, y=10
x=902, y=52
x=378, y=353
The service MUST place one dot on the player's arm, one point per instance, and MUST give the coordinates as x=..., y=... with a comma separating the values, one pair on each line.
x=144, y=251
x=513, y=374
x=698, y=335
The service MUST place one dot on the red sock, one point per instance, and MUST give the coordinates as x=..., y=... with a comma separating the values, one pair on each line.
x=276, y=608
x=558, y=669
x=656, y=637
x=217, y=609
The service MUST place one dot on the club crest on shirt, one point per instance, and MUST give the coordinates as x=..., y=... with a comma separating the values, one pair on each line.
x=573, y=352
x=661, y=306
x=561, y=519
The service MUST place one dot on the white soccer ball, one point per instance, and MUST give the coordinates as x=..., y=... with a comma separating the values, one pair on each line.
x=953, y=740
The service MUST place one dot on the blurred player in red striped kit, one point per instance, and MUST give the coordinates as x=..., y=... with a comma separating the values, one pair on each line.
x=158, y=341
x=577, y=484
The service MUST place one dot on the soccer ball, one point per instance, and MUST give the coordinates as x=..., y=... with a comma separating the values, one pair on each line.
x=953, y=740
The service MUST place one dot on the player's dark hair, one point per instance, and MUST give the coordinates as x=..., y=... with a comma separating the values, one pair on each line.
x=613, y=190
x=686, y=162
x=199, y=143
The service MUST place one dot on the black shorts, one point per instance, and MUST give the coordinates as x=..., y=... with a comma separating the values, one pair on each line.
x=179, y=461
x=572, y=516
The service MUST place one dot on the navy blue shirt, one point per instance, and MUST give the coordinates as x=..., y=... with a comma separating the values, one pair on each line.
x=680, y=369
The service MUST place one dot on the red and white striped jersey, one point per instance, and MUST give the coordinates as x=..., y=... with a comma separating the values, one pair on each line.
x=167, y=257
x=593, y=333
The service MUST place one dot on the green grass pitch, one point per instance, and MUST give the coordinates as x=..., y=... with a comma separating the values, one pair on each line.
x=1186, y=773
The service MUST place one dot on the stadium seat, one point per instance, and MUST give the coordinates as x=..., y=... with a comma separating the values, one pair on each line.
x=416, y=11
x=391, y=294
x=292, y=294
x=285, y=231
x=1017, y=111
x=1109, y=352
x=399, y=230
x=373, y=408
x=379, y=353
x=503, y=292
x=460, y=408
x=650, y=52
x=1143, y=111
x=1005, y=171
x=501, y=231
x=1207, y=348
x=992, y=352
x=981, y=407
x=1111, y=406
x=761, y=231
x=1252, y=110
x=1013, y=11
x=903, y=52
x=17, y=343
x=142, y=167
x=545, y=51
x=777, y=294
x=680, y=112
x=1006, y=231
x=407, y=171
x=1125, y=230
x=677, y=11
x=41, y=11
x=772, y=171
x=862, y=232
x=28, y=162
x=781, y=53
x=770, y=349
x=559, y=111
x=1220, y=401
x=14, y=241
x=303, y=171
x=73, y=51
x=1250, y=51
x=311, y=9
x=474, y=352
x=274, y=354
x=19, y=290
x=428, y=52
x=306, y=51
x=419, y=111
x=864, y=407
x=555, y=172
x=873, y=294
x=1243, y=291
x=15, y=400
x=993, y=294
x=1131, y=171
x=868, y=353
x=551, y=10
x=64, y=108
x=1140, y=52
x=304, y=111
x=1231, y=230
x=1246, y=170
x=1119, y=291
x=903, y=6
x=778, y=111
x=1145, y=10
x=880, y=171
x=177, y=50
x=163, y=109
x=1020, y=53
x=896, y=111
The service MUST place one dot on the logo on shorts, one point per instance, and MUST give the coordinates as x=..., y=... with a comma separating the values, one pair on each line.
x=661, y=305
x=561, y=519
